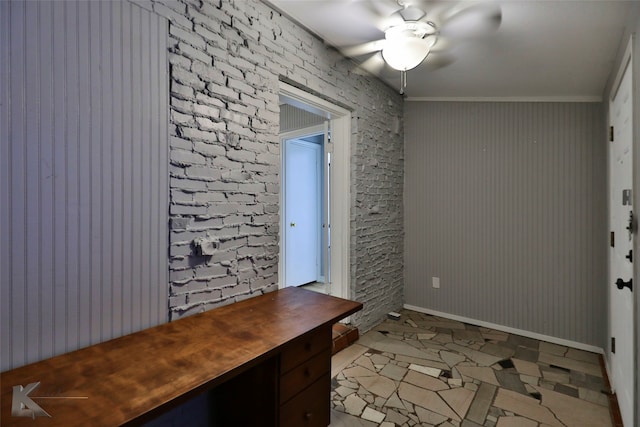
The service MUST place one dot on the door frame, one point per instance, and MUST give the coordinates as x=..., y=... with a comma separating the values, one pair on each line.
x=628, y=60
x=284, y=137
x=340, y=205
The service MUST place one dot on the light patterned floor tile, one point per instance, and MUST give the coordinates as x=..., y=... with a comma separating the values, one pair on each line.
x=354, y=405
x=429, y=417
x=425, y=371
x=378, y=341
x=515, y=422
x=525, y=406
x=427, y=399
x=451, y=358
x=359, y=371
x=371, y=414
x=345, y=357
x=425, y=381
x=459, y=399
x=527, y=368
x=593, y=396
x=582, y=355
x=340, y=419
x=547, y=347
x=482, y=359
x=481, y=373
x=572, y=364
x=394, y=372
x=575, y=412
x=378, y=385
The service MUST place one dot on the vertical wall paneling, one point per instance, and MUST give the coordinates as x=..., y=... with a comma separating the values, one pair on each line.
x=15, y=205
x=104, y=245
x=6, y=296
x=293, y=118
x=117, y=150
x=126, y=159
x=45, y=189
x=506, y=203
x=162, y=185
x=136, y=162
x=84, y=193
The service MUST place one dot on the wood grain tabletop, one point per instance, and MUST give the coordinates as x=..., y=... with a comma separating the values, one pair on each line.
x=131, y=379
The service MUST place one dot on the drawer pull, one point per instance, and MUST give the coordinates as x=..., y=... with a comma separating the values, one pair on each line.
x=307, y=372
x=308, y=415
x=307, y=346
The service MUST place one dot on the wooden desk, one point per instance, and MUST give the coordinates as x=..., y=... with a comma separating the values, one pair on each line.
x=275, y=348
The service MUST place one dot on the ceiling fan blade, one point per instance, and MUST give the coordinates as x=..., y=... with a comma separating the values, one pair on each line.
x=392, y=20
x=374, y=64
x=442, y=44
x=383, y=14
x=471, y=20
x=437, y=60
x=437, y=12
x=362, y=49
x=383, y=7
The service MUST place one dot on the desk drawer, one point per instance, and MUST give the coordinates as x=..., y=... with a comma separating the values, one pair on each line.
x=304, y=348
x=309, y=408
x=301, y=377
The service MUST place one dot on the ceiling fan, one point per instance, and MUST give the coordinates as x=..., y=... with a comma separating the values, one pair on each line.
x=415, y=28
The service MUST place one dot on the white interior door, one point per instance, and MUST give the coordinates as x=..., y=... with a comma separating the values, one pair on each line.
x=621, y=257
x=303, y=211
x=339, y=187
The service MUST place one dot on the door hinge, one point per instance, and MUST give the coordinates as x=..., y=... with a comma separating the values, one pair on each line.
x=613, y=344
x=611, y=133
x=613, y=239
x=329, y=146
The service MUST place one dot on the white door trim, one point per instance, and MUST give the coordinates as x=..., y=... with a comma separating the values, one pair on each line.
x=626, y=58
x=340, y=183
x=626, y=63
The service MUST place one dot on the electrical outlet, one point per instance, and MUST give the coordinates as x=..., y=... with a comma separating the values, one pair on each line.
x=435, y=282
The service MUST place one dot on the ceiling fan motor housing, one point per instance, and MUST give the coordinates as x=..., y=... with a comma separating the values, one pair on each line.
x=417, y=29
x=408, y=44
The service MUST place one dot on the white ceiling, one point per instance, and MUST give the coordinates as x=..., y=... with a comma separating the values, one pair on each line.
x=543, y=48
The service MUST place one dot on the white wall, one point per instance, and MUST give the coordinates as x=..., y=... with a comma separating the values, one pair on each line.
x=84, y=166
x=506, y=204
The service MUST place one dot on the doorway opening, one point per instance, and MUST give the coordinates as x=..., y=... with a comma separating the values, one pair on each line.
x=305, y=188
x=315, y=193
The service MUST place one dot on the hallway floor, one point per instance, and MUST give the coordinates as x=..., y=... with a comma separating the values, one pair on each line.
x=423, y=370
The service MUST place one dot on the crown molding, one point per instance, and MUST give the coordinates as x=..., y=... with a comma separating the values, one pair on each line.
x=505, y=99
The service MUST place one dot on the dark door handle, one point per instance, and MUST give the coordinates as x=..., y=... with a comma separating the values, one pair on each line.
x=621, y=284
x=630, y=255
x=631, y=225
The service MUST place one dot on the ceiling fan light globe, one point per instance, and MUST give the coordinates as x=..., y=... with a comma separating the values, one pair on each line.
x=406, y=53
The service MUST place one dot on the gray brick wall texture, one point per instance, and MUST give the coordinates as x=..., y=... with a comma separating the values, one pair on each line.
x=226, y=61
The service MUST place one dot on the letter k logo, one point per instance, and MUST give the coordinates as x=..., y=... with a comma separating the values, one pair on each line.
x=22, y=405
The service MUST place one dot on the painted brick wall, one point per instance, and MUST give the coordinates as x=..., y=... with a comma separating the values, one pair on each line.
x=227, y=58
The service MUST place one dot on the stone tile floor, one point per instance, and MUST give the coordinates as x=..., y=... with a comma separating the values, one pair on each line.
x=423, y=370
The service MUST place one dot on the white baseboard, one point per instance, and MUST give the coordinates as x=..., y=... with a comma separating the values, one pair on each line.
x=534, y=335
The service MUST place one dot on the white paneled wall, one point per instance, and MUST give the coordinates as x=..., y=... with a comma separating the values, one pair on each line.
x=506, y=203
x=84, y=193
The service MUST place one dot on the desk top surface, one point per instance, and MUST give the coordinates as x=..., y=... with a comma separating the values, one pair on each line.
x=131, y=378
